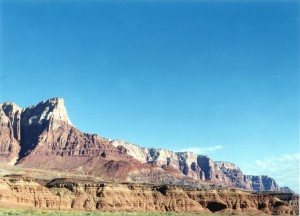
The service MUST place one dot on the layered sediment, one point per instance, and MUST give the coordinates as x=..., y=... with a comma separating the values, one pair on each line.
x=71, y=194
x=42, y=136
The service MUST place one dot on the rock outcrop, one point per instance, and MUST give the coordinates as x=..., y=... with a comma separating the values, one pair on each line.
x=286, y=190
x=263, y=183
x=42, y=136
x=10, y=132
x=200, y=168
x=27, y=193
x=184, y=162
x=70, y=194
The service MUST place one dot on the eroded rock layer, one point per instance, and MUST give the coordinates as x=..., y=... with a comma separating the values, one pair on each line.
x=42, y=136
x=70, y=194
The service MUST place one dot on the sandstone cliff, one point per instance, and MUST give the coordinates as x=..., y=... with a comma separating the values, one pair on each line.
x=185, y=162
x=200, y=168
x=10, y=135
x=42, y=136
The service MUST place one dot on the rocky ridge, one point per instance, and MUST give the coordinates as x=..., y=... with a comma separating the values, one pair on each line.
x=42, y=136
x=201, y=168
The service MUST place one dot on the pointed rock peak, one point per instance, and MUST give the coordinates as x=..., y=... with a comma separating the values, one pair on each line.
x=10, y=112
x=59, y=110
x=10, y=107
x=53, y=108
x=54, y=101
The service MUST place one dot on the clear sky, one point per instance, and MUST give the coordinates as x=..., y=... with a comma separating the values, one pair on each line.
x=215, y=77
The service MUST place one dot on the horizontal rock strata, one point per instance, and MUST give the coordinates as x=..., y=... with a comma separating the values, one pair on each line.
x=68, y=194
x=42, y=136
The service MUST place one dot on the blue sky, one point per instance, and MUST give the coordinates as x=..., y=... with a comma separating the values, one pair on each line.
x=216, y=77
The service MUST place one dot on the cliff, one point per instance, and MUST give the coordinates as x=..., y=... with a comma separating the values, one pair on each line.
x=42, y=136
x=200, y=168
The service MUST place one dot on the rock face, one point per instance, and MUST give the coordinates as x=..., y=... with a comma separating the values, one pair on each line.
x=26, y=193
x=263, y=183
x=42, y=136
x=10, y=132
x=68, y=194
x=255, y=183
x=235, y=176
x=286, y=190
x=200, y=168
x=184, y=162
